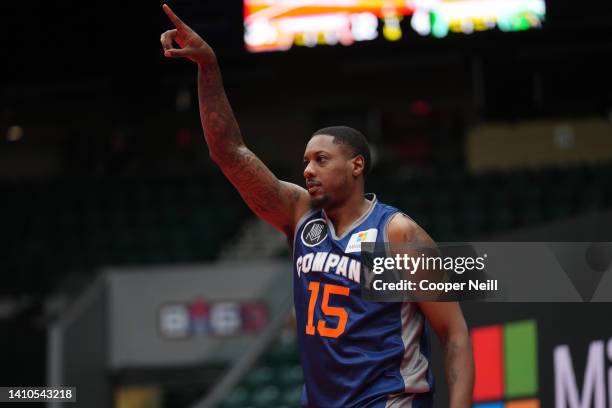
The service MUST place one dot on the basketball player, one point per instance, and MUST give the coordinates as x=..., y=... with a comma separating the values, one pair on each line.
x=354, y=353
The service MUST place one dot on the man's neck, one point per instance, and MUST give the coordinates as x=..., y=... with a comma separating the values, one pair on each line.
x=343, y=216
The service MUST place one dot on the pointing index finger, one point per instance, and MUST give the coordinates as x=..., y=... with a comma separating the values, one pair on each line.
x=173, y=17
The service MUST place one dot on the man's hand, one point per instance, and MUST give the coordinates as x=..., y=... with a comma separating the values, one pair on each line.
x=280, y=203
x=192, y=46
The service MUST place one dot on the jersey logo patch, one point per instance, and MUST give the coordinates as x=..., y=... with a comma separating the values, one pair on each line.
x=314, y=232
x=354, y=244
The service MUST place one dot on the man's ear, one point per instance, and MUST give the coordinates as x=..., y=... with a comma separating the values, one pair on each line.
x=358, y=165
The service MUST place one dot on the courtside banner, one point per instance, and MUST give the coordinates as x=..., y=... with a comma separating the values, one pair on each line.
x=488, y=272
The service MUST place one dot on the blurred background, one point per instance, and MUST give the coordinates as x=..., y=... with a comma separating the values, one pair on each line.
x=133, y=270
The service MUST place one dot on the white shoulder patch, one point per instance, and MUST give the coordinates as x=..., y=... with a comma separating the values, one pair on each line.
x=354, y=244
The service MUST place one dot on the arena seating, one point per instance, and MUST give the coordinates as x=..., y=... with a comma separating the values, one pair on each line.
x=460, y=206
x=54, y=229
x=275, y=383
x=81, y=225
x=50, y=229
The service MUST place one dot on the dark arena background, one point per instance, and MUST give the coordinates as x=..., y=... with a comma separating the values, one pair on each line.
x=132, y=270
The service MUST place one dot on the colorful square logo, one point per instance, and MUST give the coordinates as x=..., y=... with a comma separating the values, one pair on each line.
x=506, y=361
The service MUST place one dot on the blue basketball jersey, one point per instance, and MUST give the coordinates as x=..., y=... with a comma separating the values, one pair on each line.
x=354, y=353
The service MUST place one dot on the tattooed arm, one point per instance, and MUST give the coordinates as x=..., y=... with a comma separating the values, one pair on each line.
x=446, y=319
x=278, y=202
x=448, y=323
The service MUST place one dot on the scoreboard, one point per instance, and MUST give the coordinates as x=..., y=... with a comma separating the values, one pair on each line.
x=277, y=25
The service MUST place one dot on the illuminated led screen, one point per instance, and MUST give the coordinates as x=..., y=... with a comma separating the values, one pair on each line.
x=272, y=25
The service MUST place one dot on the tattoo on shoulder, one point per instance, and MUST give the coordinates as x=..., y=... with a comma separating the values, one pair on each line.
x=421, y=236
x=414, y=233
x=248, y=174
x=295, y=195
x=257, y=185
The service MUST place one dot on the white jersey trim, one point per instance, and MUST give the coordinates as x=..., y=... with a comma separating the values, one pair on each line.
x=355, y=223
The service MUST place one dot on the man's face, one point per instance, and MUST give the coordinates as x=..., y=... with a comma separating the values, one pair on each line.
x=328, y=170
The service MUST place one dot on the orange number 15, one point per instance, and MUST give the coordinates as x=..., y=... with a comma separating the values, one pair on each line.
x=339, y=312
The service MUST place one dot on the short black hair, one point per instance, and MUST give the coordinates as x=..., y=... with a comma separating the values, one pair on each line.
x=351, y=138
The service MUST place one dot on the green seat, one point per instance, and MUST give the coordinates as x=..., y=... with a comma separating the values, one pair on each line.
x=518, y=180
x=266, y=396
x=422, y=217
x=237, y=398
x=499, y=198
x=291, y=396
x=558, y=212
x=259, y=377
x=472, y=199
x=290, y=375
x=409, y=202
x=530, y=215
x=444, y=226
x=282, y=353
x=473, y=222
x=442, y=200
x=500, y=219
x=531, y=193
x=590, y=198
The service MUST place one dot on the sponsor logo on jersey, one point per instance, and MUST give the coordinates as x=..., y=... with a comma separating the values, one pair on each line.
x=354, y=244
x=329, y=263
x=314, y=232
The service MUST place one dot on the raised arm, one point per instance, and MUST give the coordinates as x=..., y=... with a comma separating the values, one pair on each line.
x=278, y=202
x=447, y=321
